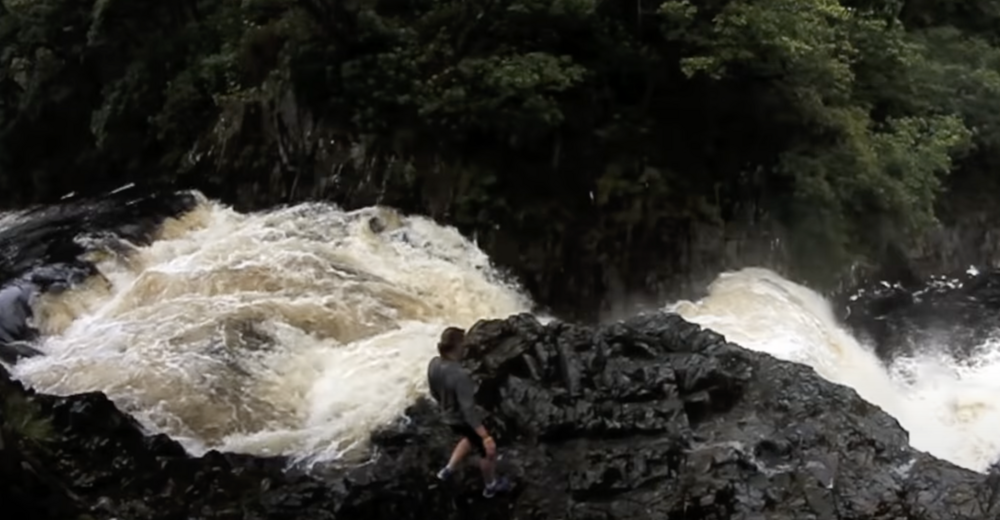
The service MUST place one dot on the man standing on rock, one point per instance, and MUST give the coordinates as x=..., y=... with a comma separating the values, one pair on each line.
x=453, y=389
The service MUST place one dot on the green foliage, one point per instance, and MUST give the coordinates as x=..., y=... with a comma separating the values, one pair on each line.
x=841, y=120
x=24, y=418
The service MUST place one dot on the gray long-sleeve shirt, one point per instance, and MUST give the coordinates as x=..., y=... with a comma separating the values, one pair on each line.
x=454, y=391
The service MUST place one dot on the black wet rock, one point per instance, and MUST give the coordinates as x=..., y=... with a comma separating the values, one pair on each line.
x=46, y=240
x=945, y=314
x=29, y=488
x=671, y=420
x=14, y=352
x=649, y=418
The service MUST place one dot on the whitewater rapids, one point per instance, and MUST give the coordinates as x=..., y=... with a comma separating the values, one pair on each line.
x=950, y=408
x=298, y=331
x=289, y=332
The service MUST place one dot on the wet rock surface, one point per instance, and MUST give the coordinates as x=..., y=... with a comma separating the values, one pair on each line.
x=954, y=314
x=648, y=418
x=44, y=243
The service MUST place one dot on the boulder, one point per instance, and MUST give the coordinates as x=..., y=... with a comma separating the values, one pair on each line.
x=27, y=487
x=900, y=320
x=43, y=244
x=648, y=418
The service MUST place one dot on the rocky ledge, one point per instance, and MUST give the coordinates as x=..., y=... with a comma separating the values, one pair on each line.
x=902, y=318
x=649, y=418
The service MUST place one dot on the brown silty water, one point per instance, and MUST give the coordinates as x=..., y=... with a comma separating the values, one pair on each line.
x=295, y=331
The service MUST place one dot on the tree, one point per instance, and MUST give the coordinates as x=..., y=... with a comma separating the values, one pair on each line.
x=581, y=129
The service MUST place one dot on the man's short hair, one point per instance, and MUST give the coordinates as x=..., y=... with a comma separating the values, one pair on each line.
x=451, y=342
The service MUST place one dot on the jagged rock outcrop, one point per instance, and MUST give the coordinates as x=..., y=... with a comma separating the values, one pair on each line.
x=27, y=488
x=957, y=312
x=46, y=241
x=649, y=418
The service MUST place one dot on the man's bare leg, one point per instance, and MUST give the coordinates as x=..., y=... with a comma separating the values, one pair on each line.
x=488, y=466
x=461, y=451
x=493, y=485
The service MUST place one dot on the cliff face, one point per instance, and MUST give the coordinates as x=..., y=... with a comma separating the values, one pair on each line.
x=595, y=262
x=648, y=418
x=585, y=261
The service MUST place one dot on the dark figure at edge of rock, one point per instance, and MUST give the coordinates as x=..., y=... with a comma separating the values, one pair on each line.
x=453, y=389
x=15, y=311
x=16, y=332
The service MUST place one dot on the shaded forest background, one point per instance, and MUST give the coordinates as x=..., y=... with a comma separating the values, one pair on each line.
x=601, y=149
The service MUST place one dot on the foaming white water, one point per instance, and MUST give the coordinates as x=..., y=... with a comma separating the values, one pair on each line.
x=296, y=331
x=951, y=410
x=958, y=402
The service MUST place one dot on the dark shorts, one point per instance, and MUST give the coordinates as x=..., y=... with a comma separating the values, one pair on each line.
x=466, y=431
